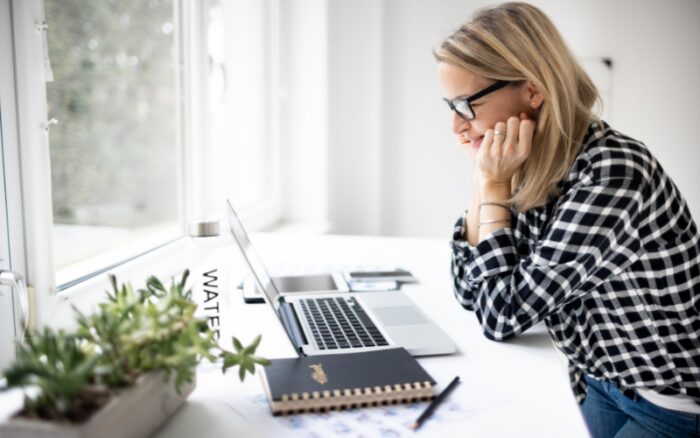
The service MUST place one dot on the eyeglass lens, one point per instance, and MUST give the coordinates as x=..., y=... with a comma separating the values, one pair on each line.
x=464, y=109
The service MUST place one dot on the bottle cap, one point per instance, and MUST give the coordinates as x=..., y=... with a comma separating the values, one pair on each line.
x=204, y=228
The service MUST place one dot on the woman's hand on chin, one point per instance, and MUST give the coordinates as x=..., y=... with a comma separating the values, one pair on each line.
x=504, y=149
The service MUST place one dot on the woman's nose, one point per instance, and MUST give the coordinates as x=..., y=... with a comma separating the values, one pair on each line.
x=458, y=123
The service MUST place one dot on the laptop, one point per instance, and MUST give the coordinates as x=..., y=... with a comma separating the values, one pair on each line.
x=344, y=322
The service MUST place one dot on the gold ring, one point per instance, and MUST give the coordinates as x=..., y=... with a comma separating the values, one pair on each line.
x=497, y=132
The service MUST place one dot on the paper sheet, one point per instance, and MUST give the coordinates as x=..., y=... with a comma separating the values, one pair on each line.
x=385, y=421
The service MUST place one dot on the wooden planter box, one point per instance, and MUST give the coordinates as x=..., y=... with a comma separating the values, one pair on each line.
x=135, y=412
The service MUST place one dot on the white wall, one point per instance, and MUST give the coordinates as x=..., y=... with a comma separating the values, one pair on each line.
x=393, y=167
x=355, y=75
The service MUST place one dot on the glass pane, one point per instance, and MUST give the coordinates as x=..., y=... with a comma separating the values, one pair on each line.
x=115, y=151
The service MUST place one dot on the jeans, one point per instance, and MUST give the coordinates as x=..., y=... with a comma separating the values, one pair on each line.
x=609, y=413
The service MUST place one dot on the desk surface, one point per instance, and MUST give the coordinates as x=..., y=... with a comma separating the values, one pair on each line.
x=514, y=388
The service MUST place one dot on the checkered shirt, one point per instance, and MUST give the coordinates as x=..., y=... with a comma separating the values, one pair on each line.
x=612, y=265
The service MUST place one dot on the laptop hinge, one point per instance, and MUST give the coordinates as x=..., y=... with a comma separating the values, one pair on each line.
x=291, y=325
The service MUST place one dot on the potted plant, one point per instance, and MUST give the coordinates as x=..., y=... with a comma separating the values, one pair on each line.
x=123, y=371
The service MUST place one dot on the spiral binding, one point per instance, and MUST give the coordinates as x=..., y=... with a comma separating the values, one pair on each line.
x=352, y=398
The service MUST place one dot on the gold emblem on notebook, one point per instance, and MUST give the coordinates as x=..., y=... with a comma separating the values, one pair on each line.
x=318, y=374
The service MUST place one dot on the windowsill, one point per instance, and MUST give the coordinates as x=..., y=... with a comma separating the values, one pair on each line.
x=160, y=253
x=124, y=244
x=166, y=262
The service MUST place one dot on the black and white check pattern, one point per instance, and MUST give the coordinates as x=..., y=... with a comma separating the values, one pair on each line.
x=612, y=265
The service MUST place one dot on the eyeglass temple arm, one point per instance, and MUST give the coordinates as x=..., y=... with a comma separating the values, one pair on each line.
x=485, y=91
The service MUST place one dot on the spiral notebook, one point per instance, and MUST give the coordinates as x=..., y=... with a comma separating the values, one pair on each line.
x=343, y=381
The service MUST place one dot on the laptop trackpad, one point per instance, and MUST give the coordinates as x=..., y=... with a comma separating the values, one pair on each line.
x=405, y=315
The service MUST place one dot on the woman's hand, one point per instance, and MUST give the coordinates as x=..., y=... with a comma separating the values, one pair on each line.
x=502, y=154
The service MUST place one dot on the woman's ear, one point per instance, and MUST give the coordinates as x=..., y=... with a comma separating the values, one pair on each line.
x=533, y=95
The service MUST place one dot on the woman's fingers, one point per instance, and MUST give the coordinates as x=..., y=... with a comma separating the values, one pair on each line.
x=527, y=130
x=511, y=139
x=487, y=142
x=499, y=138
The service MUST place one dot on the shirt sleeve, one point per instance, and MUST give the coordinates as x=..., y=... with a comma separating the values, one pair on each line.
x=592, y=237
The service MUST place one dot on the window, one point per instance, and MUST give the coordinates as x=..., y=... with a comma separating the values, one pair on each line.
x=131, y=119
x=116, y=149
x=243, y=44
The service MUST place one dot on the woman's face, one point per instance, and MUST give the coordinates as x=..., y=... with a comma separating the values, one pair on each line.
x=495, y=107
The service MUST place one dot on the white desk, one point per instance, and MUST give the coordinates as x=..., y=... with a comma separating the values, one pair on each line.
x=514, y=388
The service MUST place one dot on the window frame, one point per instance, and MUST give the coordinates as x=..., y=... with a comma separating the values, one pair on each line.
x=267, y=212
x=12, y=234
x=33, y=155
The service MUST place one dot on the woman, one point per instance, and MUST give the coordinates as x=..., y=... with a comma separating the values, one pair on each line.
x=572, y=223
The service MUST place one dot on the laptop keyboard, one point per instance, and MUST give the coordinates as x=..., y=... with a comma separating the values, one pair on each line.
x=340, y=323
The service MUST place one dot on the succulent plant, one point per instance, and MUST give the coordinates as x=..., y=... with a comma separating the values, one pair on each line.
x=132, y=333
x=55, y=363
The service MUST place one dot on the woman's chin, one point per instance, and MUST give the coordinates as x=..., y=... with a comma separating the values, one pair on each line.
x=470, y=148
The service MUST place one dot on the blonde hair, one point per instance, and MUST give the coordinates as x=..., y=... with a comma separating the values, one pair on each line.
x=517, y=42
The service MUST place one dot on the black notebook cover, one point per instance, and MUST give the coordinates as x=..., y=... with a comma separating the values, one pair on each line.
x=345, y=380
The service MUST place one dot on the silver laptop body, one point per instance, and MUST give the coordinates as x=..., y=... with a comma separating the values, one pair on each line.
x=344, y=322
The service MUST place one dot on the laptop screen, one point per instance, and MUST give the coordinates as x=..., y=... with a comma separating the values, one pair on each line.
x=262, y=277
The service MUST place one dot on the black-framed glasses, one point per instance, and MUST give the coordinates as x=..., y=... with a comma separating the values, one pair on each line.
x=463, y=105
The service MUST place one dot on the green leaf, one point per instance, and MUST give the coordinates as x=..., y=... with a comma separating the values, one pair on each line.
x=237, y=344
x=183, y=279
x=254, y=345
x=261, y=361
x=113, y=282
x=154, y=284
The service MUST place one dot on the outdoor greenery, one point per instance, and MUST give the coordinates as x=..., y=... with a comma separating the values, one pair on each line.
x=116, y=96
x=134, y=332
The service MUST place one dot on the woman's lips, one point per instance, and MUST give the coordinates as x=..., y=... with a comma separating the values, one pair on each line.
x=477, y=142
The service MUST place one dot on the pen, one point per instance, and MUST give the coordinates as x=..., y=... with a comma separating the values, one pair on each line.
x=434, y=404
